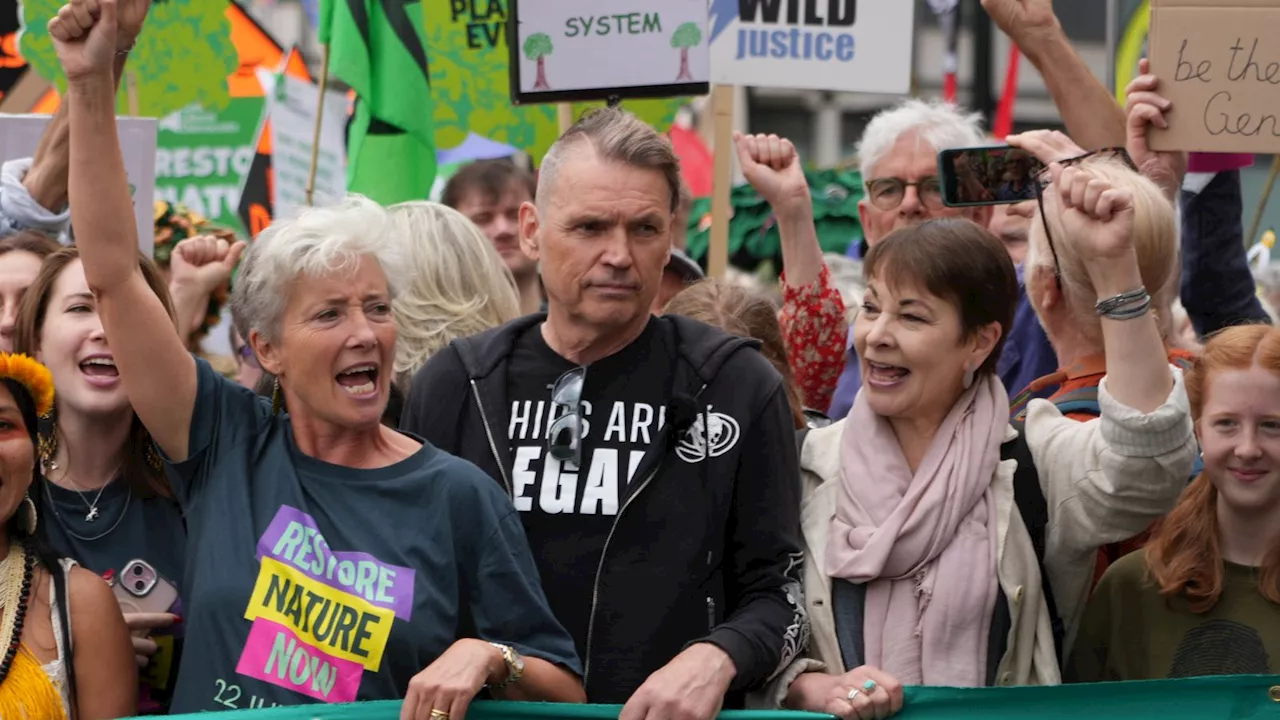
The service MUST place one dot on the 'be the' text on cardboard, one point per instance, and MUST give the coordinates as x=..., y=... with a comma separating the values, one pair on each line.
x=1219, y=64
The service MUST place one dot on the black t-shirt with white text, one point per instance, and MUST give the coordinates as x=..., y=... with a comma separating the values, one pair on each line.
x=568, y=512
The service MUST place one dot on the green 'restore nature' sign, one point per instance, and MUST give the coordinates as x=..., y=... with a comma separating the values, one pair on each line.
x=203, y=156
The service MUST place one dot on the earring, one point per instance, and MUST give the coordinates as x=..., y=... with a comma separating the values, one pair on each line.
x=968, y=378
x=152, y=456
x=277, y=400
x=27, y=523
x=47, y=447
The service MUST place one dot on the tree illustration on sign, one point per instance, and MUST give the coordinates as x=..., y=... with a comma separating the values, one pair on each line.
x=686, y=36
x=184, y=56
x=537, y=47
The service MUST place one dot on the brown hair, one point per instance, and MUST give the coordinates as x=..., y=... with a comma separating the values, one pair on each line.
x=139, y=473
x=490, y=178
x=42, y=246
x=616, y=136
x=957, y=261
x=1183, y=555
x=744, y=313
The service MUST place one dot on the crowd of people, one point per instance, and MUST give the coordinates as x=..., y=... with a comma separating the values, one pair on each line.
x=515, y=445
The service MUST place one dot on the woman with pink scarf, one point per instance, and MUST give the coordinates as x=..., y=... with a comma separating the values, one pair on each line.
x=919, y=563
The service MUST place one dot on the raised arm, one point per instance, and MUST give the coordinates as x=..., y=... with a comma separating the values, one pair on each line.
x=158, y=374
x=46, y=181
x=1093, y=117
x=1217, y=288
x=1099, y=220
x=813, y=313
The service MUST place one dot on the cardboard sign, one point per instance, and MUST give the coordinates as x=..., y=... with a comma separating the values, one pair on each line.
x=842, y=45
x=569, y=50
x=19, y=135
x=1219, y=64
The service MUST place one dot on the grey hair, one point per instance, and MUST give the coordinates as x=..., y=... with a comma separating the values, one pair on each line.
x=616, y=136
x=459, y=286
x=942, y=125
x=319, y=242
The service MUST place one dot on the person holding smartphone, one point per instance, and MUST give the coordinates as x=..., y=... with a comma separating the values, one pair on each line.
x=103, y=499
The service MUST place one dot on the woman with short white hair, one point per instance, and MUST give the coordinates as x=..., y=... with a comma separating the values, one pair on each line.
x=331, y=558
x=459, y=285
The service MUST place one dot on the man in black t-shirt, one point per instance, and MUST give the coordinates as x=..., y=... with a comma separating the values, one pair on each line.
x=652, y=459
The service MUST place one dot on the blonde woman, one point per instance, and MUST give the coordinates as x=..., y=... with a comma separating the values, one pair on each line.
x=460, y=285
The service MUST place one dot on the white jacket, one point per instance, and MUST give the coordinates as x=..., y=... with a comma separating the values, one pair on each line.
x=1104, y=481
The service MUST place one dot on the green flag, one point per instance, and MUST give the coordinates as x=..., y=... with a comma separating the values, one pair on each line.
x=377, y=47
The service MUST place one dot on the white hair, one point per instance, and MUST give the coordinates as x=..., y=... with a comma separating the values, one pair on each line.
x=319, y=242
x=459, y=285
x=942, y=125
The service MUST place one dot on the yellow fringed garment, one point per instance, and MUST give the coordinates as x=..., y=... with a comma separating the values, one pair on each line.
x=28, y=693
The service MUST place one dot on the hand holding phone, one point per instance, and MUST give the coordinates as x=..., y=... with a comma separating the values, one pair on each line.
x=995, y=175
x=145, y=599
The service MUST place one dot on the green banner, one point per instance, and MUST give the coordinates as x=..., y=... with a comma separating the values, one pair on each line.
x=203, y=156
x=467, y=50
x=1255, y=697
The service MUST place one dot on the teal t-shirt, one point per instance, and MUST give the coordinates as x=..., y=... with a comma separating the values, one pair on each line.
x=310, y=582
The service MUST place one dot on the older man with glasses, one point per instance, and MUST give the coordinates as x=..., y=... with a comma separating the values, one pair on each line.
x=652, y=458
x=898, y=156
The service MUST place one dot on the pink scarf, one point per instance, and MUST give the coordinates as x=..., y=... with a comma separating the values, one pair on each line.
x=924, y=544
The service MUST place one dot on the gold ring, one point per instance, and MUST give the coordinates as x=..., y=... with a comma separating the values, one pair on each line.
x=439, y=714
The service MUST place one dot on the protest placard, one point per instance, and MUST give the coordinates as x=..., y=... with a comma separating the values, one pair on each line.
x=568, y=50
x=292, y=107
x=1219, y=64
x=841, y=45
x=19, y=135
x=202, y=157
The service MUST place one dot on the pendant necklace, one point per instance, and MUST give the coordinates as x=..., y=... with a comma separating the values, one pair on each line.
x=91, y=507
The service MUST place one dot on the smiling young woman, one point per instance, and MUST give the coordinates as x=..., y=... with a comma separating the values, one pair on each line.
x=1204, y=596
x=103, y=496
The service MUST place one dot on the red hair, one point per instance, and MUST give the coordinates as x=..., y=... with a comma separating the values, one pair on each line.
x=1184, y=555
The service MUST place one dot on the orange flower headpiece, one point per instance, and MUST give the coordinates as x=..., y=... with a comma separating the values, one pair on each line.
x=31, y=375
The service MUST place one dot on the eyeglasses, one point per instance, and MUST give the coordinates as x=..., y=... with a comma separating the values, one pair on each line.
x=1044, y=179
x=564, y=438
x=244, y=356
x=887, y=193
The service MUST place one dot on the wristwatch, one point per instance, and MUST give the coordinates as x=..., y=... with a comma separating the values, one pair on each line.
x=515, y=665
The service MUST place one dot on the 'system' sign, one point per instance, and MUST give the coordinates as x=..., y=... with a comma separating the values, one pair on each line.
x=1219, y=64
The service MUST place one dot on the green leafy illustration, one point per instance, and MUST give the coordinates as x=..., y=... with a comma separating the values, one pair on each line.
x=183, y=55
x=686, y=36
x=470, y=79
x=537, y=47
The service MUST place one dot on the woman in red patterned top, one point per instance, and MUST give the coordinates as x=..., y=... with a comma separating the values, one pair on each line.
x=813, y=319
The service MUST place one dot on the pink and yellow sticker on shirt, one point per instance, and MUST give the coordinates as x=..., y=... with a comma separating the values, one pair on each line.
x=320, y=617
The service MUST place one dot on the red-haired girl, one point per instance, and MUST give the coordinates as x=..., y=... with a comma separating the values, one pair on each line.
x=1203, y=598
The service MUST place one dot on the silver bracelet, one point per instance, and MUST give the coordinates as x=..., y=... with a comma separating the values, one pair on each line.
x=1129, y=298
x=1130, y=312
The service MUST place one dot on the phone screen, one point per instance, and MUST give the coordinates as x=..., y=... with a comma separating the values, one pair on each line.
x=987, y=175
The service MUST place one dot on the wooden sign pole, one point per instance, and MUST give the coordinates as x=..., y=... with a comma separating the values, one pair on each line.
x=564, y=113
x=722, y=145
x=315, y=139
